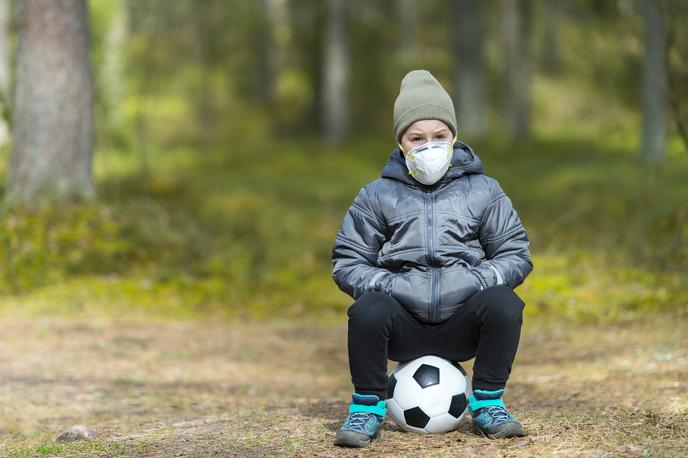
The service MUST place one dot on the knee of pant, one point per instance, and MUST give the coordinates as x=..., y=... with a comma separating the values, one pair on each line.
x=373, y=308
x=504, y=303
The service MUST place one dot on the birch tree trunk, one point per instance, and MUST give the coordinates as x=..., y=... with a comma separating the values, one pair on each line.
x=53, y=114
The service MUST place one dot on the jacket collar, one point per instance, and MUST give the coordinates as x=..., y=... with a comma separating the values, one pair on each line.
x=464, y=162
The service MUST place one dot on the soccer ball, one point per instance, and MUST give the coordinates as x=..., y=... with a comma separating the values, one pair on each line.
x=428, y=395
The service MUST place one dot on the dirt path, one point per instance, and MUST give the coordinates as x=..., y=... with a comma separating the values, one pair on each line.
x=279, y=388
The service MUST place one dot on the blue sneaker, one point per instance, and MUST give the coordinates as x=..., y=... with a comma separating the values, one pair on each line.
x=490, y=417
x=366, y=414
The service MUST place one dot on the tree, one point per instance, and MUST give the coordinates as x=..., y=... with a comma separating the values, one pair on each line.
x=470, y=69
x=53, y=113
x=676, y=16
x=203, y=40
x=4, y=68
x=407, y=12
x=551, y=52
x=518, y=63
x=113, y=74
x=654, y=83
x=336, y=73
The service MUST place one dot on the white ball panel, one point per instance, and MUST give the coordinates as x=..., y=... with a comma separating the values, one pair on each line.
x=434, y=400
x=453, y=380
x=395, y=412
x=403, y=368
x=412, y=429
x=442, y=424
x=407, y=392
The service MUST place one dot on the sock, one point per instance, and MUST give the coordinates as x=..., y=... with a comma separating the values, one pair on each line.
x=368, y=403
x=485, y=398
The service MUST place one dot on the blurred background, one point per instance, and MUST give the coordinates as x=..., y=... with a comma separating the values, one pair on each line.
x=191, y=159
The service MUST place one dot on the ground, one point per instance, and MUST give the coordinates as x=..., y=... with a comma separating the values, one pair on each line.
x=225, y=388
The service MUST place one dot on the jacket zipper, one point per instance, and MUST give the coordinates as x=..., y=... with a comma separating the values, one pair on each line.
x=434, y=281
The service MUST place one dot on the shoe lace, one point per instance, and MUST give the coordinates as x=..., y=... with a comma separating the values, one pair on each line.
x=358, y=418
x=498, y=413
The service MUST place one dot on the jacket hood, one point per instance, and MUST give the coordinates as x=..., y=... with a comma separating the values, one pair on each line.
x=464, y=162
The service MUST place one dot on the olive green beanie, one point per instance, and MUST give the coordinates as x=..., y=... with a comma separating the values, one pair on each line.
x=421, y=96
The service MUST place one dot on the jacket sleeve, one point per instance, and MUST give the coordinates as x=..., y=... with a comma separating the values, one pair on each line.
x=504, y=241
x=355, y=250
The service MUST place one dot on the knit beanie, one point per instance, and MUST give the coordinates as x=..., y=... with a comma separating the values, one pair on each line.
x=421, y=96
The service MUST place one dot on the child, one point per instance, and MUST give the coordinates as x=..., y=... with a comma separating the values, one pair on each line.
x=431, y=253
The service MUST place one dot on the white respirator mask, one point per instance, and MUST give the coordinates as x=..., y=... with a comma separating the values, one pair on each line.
x=429, y=162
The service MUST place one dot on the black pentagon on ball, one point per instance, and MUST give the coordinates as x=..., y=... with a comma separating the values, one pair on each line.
x=427, y=375
x=390, y=386
x=416, y=417
x=458, y=405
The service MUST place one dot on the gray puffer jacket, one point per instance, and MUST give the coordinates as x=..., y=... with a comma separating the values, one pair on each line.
x=431, y=247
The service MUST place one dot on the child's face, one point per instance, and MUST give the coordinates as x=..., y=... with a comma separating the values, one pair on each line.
x=423, y=131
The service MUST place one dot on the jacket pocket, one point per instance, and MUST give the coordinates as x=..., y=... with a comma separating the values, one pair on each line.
x=412, y=291
x=488, y=274
x=482, y=283
x=458, y=283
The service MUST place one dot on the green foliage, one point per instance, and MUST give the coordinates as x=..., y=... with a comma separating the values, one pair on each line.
x=51, y=245
x=5, y=113
x=292, y=99
x=201, y=213
x=246, y=231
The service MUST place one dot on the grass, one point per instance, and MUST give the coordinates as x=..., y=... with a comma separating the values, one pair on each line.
x=245, y=231
x=88, y=448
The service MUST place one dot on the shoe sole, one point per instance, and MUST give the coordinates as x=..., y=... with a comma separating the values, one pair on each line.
x=354, y=439
x=512, y=430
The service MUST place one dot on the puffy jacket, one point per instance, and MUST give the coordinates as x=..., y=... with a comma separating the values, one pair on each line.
x=431, y=247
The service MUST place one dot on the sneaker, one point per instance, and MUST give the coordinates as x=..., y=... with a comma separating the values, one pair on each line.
x=366, y=414
x=490, y=417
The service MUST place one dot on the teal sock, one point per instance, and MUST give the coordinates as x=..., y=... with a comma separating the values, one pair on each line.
x=485, y=398
x=368, y=403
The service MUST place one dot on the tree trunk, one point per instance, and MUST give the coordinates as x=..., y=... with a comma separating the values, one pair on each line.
x=53, y=117
x=113, y=62
x=288, y=102
x=551, y=54
x=201, y=18
x=336, y=74
x=654, y=83
x=470, y=71
x=4, y=68
x=517, y=57
x=407, y=11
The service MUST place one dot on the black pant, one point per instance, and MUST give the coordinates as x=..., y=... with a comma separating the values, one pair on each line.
x=487, y=327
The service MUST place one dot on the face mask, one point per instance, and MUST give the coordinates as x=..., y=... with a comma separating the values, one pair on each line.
x=429, y=162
